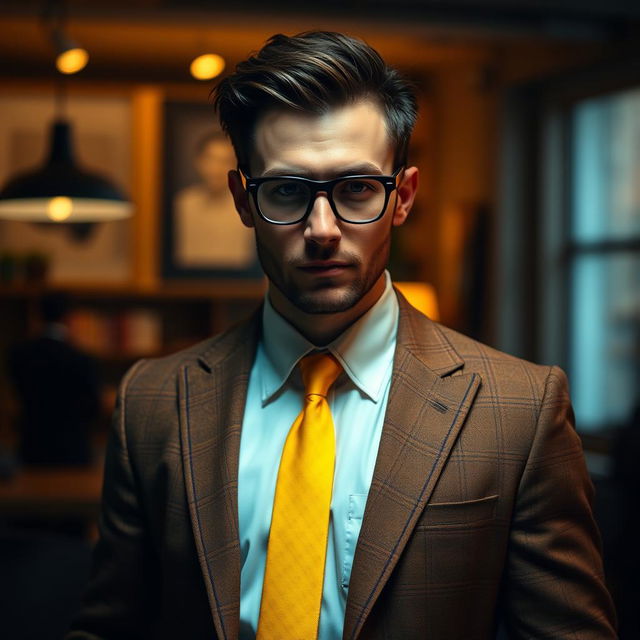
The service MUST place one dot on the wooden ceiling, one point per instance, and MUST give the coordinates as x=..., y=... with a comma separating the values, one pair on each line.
x=151, y=40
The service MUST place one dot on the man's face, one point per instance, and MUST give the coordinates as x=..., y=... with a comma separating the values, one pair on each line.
x=213, y=163
x=324, y=265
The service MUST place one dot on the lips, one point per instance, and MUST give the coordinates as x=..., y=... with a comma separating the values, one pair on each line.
x=324, y=267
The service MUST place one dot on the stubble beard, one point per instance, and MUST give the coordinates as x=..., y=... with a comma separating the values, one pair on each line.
x=323, y=299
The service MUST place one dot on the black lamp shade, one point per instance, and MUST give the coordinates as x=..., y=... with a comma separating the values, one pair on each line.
x=94, y=198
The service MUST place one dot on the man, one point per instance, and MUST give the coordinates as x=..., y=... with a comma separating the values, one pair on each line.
x=455, y=498
x=59, y=391
x=207, y=236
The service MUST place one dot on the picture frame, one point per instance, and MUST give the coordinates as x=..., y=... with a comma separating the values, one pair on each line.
x=202, y=235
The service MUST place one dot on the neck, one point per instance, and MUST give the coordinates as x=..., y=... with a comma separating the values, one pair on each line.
x=322, y=328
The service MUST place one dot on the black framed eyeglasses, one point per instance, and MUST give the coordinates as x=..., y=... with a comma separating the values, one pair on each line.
x=289, y=199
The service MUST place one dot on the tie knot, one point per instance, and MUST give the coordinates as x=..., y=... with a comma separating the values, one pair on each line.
x=319, y=372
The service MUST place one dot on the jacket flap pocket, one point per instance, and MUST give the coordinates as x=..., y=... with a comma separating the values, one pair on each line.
x=458, y=513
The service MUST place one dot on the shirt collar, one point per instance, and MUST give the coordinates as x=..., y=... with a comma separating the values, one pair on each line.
x=365, y=350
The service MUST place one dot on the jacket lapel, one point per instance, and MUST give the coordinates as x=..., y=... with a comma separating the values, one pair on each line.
x=212, y=399
x=426, y=410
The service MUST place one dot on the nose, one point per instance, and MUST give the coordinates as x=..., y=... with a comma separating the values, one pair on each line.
x=321, y=224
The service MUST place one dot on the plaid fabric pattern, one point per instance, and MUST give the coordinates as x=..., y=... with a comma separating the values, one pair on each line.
x=478, y=515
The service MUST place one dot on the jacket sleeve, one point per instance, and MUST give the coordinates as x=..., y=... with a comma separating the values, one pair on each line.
x=554, y=582
x=120, y=593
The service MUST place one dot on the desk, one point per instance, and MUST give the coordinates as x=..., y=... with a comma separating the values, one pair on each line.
x=50, y=492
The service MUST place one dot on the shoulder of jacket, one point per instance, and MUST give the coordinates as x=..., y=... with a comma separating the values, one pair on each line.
x=496, y=366
x=154, y=374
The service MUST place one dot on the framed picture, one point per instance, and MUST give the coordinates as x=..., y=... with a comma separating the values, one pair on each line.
x=101, y=127
x=203, y=236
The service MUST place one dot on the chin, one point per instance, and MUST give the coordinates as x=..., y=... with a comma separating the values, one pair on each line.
x=312, y=305
x=327, y=301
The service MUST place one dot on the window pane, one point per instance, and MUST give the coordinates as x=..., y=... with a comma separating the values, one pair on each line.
x=605, y=339
x=606, y=167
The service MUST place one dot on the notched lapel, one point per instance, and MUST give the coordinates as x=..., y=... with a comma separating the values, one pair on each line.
x=212, y=399
x=424, y=416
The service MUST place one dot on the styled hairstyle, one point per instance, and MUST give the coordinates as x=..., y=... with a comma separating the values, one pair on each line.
x=313, y=72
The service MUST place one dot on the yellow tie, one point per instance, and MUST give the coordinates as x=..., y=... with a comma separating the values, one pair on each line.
x=292, y=590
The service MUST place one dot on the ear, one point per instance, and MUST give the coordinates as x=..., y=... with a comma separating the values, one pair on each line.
x=240, y=198
x=407, y=190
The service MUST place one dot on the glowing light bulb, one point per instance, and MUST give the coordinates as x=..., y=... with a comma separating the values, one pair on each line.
x=207, y=66
x=72, y=60
x=59, y=208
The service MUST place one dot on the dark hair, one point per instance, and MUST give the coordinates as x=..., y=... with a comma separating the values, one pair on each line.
x=312, y=72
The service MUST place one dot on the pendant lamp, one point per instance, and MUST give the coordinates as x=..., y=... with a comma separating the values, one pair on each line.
x=60, y=190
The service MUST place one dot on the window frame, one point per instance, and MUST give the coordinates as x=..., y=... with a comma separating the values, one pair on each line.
x=534, y=213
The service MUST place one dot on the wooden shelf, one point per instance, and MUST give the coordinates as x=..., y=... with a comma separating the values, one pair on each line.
x=52, y=492
x=213, y=290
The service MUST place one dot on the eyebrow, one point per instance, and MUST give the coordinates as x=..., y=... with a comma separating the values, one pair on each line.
x=362, y=169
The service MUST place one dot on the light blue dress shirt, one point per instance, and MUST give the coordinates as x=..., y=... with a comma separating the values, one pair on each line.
x=358, y=402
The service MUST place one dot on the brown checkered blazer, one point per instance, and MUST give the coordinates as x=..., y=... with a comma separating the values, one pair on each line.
x=478, y=515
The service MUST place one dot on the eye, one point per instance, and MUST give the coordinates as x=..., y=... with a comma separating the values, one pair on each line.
x=358, y=189
x=286, y=189
x=356, y=186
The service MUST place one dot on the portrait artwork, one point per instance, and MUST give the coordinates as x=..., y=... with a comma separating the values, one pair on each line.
x=203, y=235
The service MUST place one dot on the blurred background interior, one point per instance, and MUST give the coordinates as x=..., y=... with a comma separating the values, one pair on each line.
x=525, y=235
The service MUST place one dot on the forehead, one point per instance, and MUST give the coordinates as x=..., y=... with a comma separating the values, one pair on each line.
x=322, y=144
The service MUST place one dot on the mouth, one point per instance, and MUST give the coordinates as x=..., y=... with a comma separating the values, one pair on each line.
x=326, y=268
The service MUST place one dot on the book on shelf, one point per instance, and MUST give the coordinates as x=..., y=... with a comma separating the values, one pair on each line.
x=128, y=333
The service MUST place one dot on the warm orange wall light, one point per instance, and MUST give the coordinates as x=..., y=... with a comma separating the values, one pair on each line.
x=421, y=296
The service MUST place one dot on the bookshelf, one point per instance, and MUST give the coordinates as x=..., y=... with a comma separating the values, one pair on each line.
x=124, y=322
x=120, y=324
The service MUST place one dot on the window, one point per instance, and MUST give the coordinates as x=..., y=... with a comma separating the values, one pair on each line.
x=603, y=250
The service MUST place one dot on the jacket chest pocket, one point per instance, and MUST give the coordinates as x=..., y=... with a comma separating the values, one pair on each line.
x=456, y=514
x=460, y=543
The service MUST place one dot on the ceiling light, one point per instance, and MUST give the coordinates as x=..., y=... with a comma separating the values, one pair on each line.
x=61, y=191
x=207, y=66
x=72, y=59
x=70, y=56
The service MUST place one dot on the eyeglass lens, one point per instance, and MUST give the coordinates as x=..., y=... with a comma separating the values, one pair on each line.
x=356, y=200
